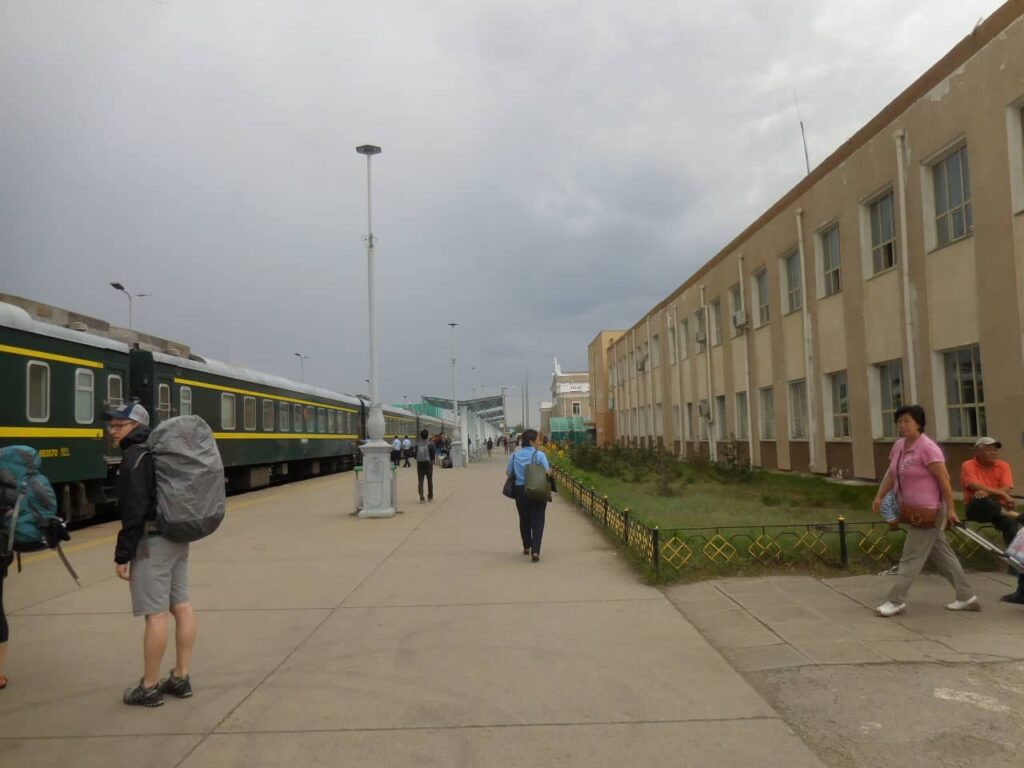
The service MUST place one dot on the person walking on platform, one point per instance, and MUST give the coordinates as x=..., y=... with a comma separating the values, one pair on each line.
x=531, y=512
x=396, y=451
x=917, y=471
x=155, y=568
x=406, y=450
x=425, y=453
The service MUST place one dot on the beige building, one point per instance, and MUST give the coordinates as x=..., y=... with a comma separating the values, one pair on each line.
x=892, y=274
x=570, y=394
x=602, y=396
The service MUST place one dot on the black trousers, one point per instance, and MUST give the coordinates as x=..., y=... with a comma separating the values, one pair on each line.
x=989, y=511
x=425, y=469
x=531, y=520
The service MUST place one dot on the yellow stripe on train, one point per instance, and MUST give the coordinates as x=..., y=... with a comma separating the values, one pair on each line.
x=50, y=432
x=49, y=356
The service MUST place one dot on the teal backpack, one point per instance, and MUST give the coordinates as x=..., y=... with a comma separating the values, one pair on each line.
x=28, y=508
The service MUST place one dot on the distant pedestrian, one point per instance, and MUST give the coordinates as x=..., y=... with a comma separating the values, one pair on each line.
x=531, y=512
x=917, y=472
x=406, y=450
x=156, y=568
x=396, y=451
x=490, y=445
x=425, y=453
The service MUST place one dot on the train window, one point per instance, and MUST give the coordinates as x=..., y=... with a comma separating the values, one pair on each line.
x=297, y=418
x=321, y=419
x=282, y=417
x=163, y=401
x=85, y=408
x=38, y=376
x=115, y=390
x=310, y=419
x=330, y=421
x=185, y=401
x=227, y=411
x=268, y=415
x=249, y=413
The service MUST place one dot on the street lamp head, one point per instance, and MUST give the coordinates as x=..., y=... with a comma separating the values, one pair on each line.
x=368, y=149
x=453, y=324
x=117, y=286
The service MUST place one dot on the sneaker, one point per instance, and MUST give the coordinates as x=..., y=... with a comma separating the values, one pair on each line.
x=889, y=608
x=894, y=571
x=176, y=686
x=1013, y=597
x=144, y=697
x=970, y=604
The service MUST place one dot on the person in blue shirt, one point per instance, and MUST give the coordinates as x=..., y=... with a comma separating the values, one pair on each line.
x=531, y=511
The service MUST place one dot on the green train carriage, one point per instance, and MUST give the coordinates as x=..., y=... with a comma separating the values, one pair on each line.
x=55, y=384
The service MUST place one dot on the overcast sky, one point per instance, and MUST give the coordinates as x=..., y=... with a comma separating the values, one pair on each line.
x=549, y=169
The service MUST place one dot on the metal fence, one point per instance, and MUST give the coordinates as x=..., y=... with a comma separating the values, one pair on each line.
x=836, y=543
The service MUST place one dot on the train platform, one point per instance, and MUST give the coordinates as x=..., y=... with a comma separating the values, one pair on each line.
x=424, y=639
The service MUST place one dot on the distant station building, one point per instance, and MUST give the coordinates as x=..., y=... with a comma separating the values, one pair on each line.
x=570, y=394
x=892, y=274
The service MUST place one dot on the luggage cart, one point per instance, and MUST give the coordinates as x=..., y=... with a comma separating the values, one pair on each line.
x=984, y=543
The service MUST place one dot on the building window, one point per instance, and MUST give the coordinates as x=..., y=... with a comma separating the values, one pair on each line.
x=691, y=432
x=840, y=405
x=890, y=381
x=115, y=390
x=793, y=295
x=655, y=351
x=701, y=331
x=761, y=297
x=684, y=338
x=185, y=401
x=163, y=401
x=38, y=378
x=268, y=415
x=883, y=234
x=742, y=417
x=716, y=322
x=952, y=180
x=227, y=411
x=85, y=388
x=720, y=426
x=965, y=392
x=830, y=270
x=672, y=351
x=676, y=431
x=798, y=410
x=703, y=412
x=249, y=413
x=735, y=305
x=577, y=409
x=767, y=409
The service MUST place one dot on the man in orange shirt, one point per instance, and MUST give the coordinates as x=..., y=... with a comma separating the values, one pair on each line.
x=986, y=481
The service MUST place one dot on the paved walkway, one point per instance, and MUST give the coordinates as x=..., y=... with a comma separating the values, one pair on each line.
x=426, y=639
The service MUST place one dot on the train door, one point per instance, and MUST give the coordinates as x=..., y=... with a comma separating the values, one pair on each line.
x=113, y=390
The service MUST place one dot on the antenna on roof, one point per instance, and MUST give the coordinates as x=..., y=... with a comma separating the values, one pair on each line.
x=803, y=135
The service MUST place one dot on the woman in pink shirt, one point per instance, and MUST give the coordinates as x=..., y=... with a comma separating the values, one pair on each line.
x=917, y=471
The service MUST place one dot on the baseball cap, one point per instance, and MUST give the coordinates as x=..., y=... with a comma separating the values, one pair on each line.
x=987, y=441
x=132, y=411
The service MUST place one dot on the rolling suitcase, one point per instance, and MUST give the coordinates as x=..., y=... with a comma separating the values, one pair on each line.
x=984, y=543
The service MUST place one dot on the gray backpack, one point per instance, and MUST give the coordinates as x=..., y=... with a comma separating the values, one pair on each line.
x=423, y=451
x=189, y=478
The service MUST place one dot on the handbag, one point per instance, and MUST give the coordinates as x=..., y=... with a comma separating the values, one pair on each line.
x=537, y=486
x=919, y=517
x=1016, y=548
x=508, y=487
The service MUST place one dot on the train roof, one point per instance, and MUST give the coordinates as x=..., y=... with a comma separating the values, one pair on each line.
x=12, y=316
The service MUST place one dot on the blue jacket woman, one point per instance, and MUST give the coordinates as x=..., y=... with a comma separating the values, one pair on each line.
x=531, y=511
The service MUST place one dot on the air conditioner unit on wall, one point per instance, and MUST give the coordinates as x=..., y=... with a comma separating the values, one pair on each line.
x=704, y=409
x=700, y=337
x=739, y=318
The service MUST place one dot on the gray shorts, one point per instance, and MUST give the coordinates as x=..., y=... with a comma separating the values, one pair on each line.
x=158, y=575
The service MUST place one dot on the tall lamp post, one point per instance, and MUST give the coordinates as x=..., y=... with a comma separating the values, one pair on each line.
x=122, y=289
x=457, y=433
x=377, y=500
x=302, y=366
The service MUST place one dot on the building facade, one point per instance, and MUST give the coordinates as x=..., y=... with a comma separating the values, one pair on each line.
x=570, y=394
x=602, y=394
x=892, y=274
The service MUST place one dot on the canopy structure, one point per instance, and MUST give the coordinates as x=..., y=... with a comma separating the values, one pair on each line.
x=572, y=430
x=487, y=408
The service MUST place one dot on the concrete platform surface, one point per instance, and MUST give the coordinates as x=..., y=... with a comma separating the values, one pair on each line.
x=425, y=639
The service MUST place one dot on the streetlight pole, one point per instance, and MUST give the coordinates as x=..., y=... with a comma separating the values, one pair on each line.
x=122, y=289
x=457, y=433
x=302, y=367
x=377, y=499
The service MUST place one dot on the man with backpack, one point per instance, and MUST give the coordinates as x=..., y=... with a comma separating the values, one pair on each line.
x=155, y=567
x=425, y=453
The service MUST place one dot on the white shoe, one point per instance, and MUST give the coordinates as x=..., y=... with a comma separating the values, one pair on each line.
x=970, y=604
x=894, y=571
x=889, y=608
